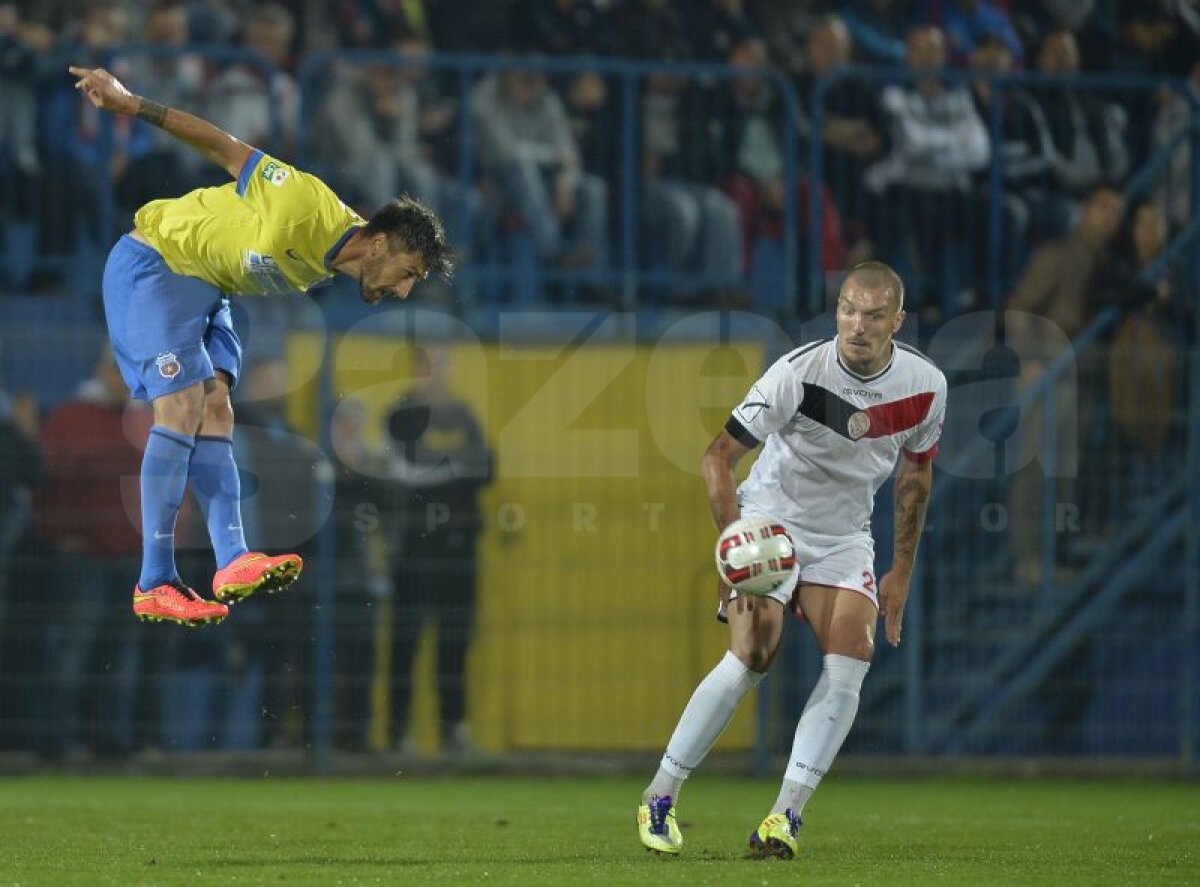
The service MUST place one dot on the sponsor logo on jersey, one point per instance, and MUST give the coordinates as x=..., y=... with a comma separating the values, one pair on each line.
x=265, y=272
x=168, y=365
x=862, y=392
x=275, y=173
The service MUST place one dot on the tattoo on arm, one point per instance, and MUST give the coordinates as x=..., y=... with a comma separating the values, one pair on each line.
x=151, y=112
x=912, y=498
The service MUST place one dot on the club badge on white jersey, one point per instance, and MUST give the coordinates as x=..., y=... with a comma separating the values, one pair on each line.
x=832, y=437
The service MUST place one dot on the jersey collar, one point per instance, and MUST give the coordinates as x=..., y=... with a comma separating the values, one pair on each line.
x=837, y=355
x=337, y=247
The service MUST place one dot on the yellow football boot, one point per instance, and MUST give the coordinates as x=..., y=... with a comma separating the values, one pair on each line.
x=657, y=827
x=776, y=837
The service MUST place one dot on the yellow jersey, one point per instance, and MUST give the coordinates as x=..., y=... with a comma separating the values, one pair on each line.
x=274, y=230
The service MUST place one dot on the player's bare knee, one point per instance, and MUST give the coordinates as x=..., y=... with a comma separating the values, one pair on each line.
x=756, y=657
x=862, y=649
x=855, y=645
x=218, y=413
x=181, y=411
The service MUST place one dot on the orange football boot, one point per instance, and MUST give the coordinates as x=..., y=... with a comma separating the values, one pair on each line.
x=254, y=571
x=175, y=602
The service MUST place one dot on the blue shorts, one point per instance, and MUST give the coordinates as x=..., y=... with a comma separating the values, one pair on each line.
x=168, y=332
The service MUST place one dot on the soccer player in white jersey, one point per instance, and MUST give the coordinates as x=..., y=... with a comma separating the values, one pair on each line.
x=835, y=417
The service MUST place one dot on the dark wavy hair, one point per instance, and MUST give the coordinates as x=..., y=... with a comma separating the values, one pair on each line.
x=411, y=226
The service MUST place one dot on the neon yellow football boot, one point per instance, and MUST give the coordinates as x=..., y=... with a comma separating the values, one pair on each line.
x=775, y=838
x=657, y=827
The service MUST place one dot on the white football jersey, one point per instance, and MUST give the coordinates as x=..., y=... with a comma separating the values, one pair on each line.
x=832, y=437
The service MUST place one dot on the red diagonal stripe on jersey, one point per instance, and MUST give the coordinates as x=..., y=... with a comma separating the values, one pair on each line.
x=899, y=415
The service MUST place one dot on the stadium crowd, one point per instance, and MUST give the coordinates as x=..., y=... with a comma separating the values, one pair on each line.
x=710, y=153
x=908, y=177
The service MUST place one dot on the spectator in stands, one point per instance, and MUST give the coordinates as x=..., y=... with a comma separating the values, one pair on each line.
x=71, y=142
x=368, y=24
x=1066, y=282
x=853, y=125
x=716, y=28
x=689, y=226
x=212, y=22
x=475, y=26
x=528, y=150
x=87, y=513
x=555, y=27
x=21, y=48
x=1094, y=32
x=1088, y=132
x=1144, y=362
x=1058, y=283
x=966, y=22
x=382, y=130
x=878, y=28
x=937, y=142
x=573, y=28
x=1024, y=148
x=260, y=106
x=785, y=26
x=643, y=28
x=440, y=457
x=1158, y=37
x=1173, y=117
x=150, y=163
x=362, y=503
x=745, y=155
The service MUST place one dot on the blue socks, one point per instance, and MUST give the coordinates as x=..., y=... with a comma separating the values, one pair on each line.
x=164, y=479
x=218, y=491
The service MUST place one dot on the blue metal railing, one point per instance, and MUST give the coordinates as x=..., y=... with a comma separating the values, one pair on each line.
x=1061, y=616
x=628, y=276
x=1189, y=690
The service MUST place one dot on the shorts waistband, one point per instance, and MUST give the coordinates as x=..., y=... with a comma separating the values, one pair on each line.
x=128, y=242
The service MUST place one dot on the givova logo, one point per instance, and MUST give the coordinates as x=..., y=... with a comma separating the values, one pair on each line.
x=862, y=392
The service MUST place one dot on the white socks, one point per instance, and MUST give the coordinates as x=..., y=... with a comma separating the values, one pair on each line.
x=823, y=726
x=707, y=714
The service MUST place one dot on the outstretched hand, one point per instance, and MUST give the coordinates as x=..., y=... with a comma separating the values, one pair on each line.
x=893, y=595
x=104, y=90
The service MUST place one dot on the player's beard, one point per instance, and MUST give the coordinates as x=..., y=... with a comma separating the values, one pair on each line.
x=363, y=293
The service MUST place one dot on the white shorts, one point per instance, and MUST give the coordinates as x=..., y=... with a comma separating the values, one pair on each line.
x=847, y=564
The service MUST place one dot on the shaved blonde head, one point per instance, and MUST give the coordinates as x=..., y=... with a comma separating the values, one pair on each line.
x=874, y=275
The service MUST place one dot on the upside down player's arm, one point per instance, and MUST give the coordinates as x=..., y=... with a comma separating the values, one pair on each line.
x=720, y=460
x=107, y=93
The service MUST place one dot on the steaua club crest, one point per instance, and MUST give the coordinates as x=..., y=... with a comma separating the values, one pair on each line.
x=168, y=365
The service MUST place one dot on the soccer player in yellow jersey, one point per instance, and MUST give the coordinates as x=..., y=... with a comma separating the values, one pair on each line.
x=274, y=229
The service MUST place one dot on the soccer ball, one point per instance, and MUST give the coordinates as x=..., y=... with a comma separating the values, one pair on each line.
x=755, y=555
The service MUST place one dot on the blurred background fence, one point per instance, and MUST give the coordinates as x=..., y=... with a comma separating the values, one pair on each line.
x=638, y=239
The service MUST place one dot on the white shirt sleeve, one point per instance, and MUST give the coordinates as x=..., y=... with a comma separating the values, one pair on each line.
x=769, y=406
x=921, y=443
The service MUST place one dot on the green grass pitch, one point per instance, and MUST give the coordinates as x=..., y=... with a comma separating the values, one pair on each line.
x=93, y=831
